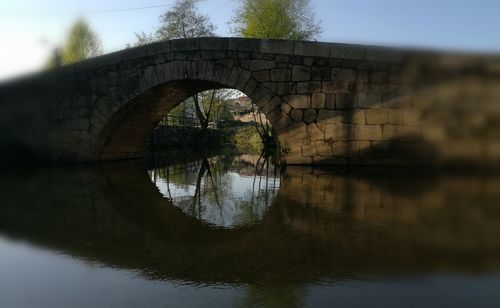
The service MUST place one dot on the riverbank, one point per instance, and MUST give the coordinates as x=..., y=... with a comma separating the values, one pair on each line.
x=243, y=139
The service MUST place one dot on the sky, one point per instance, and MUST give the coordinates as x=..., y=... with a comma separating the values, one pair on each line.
x=30, y=29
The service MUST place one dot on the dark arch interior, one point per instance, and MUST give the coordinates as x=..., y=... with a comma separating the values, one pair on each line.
x=126, y=134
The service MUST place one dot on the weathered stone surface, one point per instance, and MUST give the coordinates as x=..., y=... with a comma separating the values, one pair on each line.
x=285, y=88
x=344, y=74
x=260, y=65
x=328, y=117
x=311, y=49
x=355, y=52
x=296, y=115
x=367, y=132
x=330, y=103
x=338, y=132
x=308, y=87
x=277, y=47
x=368, y=100
x=310, y=115
x=345, y=101
x=301, y=73
x=318, y=101
x=298, y=101
x=280, y=75
x=376, y=116
x=286, y=108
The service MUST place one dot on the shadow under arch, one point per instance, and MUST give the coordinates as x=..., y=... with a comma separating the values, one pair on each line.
x=126, y=131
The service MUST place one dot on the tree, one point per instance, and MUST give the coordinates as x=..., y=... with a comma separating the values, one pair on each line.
x=55, y=60
x=275, y=19
x=182, y=21
x=82, y=43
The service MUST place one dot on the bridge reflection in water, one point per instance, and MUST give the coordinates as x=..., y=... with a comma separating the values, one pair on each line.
x=322, y=229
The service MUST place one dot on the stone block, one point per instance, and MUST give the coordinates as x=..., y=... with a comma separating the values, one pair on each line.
x=311, y=49
x=260, y=65
x=367, y=132
x=323, y=148
x=285, y=88
x=261, y=75
x=280, y=75
x=352, y=116
x=383, y=54
x=376, y=116
x=401, y=132
x=332, y=86
x=111, y=58
x=309, y=150
x=345, y=101
x=296, y=115
x=134, y=53
x=301, y=73
x=213, y=43
x=310, y=115
x=277, y=47
x=411, y=117
x=338, y=131
x=328, y=117
x=314, y=133
x=308, y=87
x=243, y=44
x=282, y=123
x=343, y=74
x=346, y=51
x=298, y=101
x=395, y=116
x=297, y=159
x=185, y=44
x=368, y=100
x=320, y=73
x=318, y=100
x=342, y=148
x=268, y=104
x=330, y=101
x=286, y=108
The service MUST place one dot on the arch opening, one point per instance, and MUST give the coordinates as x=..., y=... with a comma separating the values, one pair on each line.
x=126, y=133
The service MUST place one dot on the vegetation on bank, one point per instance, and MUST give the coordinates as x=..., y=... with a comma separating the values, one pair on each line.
x=241, y=139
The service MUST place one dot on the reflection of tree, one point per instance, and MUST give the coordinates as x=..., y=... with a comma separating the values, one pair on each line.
x=197, y=207
x=215, y=197
x=265, y=160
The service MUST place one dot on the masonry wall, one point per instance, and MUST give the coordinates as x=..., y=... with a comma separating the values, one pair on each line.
x=329, y=103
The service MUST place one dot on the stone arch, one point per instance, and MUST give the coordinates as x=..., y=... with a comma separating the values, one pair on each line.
x=126, y=117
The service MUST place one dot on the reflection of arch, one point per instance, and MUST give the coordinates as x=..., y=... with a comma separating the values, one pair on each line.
x=117, y=217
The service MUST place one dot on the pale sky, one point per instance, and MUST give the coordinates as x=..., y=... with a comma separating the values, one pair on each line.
x=29, y=29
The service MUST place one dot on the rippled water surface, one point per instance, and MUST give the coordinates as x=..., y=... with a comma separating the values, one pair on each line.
x=234, y=231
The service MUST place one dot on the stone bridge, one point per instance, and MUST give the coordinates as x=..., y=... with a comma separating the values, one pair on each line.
x=328, y=103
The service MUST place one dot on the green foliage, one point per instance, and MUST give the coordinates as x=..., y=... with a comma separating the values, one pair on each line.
x=247, y=140
x=275, y=19
x=182, y=21
x=82, y=43
x=55, y=60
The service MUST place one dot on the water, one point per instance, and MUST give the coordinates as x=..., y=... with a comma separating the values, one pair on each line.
x=231, y=231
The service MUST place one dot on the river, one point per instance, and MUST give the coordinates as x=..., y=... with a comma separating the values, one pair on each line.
x=237, y=231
